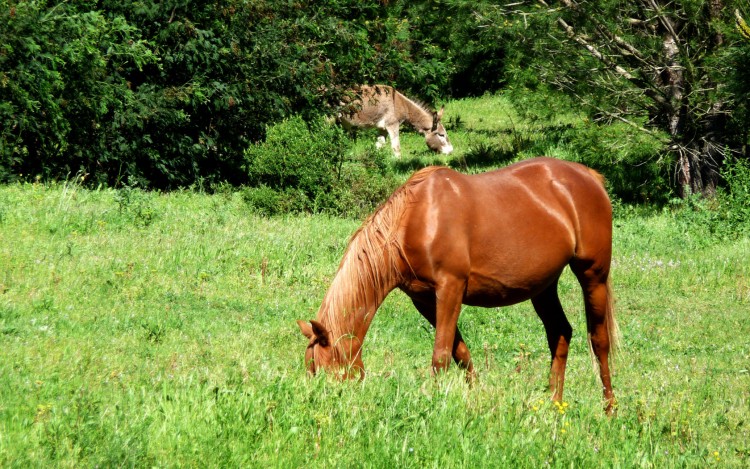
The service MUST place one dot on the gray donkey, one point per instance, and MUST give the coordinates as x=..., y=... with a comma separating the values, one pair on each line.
x=384, y=108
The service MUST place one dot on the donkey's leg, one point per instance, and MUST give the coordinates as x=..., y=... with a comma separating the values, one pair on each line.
x=461, y=354
x=550, y=311
x=395, y=142
x=449, y=294
x=600, y=323
x=380, y=142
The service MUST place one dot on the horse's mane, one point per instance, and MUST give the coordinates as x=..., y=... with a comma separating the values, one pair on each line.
x=368, y=268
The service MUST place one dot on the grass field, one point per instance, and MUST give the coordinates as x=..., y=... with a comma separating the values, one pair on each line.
x=144, y=329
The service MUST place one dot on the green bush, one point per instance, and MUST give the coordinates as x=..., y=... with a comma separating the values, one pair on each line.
x=727, y=215
x=298, y=156
x=304, y=167
x=736, y=196
x=366, y=181
x=66, y=95
x=171, y=93
x=629, y=158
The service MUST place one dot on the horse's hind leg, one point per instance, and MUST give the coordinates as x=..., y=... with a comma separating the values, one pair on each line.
x=550, y=311
x=600, y=322
x=460, y=352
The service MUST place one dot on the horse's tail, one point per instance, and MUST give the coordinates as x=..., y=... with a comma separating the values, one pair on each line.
x=613, y=330
x=598, y=176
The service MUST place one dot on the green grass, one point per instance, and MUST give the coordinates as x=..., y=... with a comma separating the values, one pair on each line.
x=144, y=329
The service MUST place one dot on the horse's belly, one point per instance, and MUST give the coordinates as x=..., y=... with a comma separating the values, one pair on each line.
x=503, y=289
x=495, y=298
x=493, y=295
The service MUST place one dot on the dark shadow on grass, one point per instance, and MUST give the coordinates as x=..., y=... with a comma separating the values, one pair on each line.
x=484, y=156
x=412, y=164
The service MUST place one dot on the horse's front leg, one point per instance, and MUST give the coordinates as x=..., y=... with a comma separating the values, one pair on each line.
x=448, y=306
x=461, y=354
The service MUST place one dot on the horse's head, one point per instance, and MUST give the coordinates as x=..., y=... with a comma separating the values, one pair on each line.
x=437, y=137
x=321, y=353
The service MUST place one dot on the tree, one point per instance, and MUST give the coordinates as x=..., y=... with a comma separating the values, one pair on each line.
x=659, y=66
x=62, y=86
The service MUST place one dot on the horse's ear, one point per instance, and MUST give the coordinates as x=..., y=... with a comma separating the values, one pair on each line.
x=306, y=329
x=440, y=113
x=320, y=332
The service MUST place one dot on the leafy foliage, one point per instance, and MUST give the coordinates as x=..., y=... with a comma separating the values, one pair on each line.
x=303, y=167
x=64, y=89
x=629, y=159
x=171, y=93
x=727, y=216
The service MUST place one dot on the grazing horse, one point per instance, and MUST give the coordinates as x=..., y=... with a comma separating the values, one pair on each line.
x=491, y=239
x=384, y=108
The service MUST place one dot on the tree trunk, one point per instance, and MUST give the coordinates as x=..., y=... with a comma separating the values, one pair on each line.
x=697, y=167
x=695, y=139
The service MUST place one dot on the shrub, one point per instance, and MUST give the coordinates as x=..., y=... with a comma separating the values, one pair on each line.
x=135, y=205
x=297, y=156
x=629, y=159
x=725, y=216
x=304, y=167
x=366, y=181
x=65, y=89
x=736, y=197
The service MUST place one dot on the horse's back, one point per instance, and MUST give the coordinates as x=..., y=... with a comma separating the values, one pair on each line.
x=507, y=193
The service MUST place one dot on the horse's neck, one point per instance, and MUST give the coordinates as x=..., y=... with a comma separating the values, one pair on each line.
x=411, y=112
x=349, y=307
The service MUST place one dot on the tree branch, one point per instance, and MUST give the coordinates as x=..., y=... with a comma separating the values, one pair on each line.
x=602, y=29
x=594, y=51
x=664, y=22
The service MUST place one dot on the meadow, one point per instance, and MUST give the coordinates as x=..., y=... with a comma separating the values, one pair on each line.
x=158, y=329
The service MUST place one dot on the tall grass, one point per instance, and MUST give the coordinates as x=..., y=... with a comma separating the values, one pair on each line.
x=173, y=343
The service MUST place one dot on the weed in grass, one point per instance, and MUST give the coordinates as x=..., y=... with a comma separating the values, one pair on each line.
x=134, y=205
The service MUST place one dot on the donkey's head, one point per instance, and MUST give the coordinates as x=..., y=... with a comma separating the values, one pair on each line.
x=322, y=354
x=437, y=137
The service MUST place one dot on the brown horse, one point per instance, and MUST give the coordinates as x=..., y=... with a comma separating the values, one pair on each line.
x=490, y=239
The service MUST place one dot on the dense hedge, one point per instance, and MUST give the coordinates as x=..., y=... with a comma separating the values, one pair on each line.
x=171, y=93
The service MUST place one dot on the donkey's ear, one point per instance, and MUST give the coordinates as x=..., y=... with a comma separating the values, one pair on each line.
x=320, y=332
x=436, y=116
x=306, y=329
